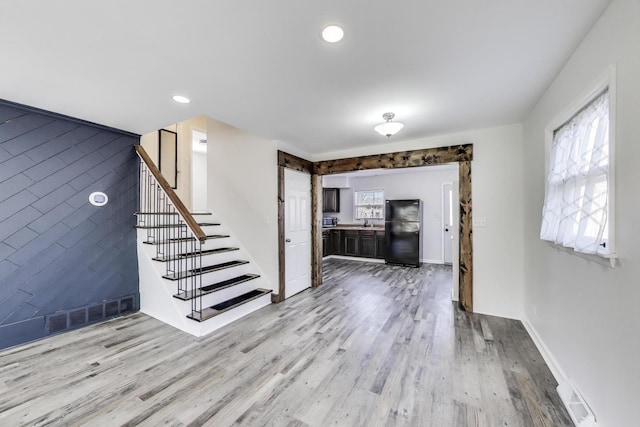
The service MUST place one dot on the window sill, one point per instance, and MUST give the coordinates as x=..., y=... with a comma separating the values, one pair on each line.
x=607, y=260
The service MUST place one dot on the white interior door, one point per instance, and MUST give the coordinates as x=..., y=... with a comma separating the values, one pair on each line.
x=297, y=222
x=447, y=223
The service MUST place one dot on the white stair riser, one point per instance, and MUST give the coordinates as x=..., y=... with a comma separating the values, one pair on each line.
x=222, y=295
x=229, y=316
x=176, y=232
x=214, y=276
x=217, y=258
x=168, y=219
x=227, y=273
x=182, y=247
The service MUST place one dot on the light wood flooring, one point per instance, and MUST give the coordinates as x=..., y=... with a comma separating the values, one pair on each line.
x=375, y=345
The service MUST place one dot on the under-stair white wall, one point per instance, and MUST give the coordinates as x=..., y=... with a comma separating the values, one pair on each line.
x=157, y=293
x=242, y=192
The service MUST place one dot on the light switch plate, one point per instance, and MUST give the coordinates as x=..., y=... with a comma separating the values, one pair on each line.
x=480, y=222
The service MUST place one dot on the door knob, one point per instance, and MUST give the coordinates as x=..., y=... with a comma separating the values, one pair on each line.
x=287, y=240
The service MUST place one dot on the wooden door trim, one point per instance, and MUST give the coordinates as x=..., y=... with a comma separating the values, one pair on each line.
x=286, y=160
x=461, y=154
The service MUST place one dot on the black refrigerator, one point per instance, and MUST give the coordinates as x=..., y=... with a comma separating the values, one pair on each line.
x=403, y=232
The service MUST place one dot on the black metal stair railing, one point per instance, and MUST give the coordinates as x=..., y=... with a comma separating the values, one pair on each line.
x=177, y=237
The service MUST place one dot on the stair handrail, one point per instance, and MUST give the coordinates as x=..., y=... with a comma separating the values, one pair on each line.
x=173, y=197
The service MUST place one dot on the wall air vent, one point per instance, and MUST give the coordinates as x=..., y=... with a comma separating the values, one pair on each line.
x=580, y=413
x=74, y=318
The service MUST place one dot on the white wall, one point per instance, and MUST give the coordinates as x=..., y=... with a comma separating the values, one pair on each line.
x=242, y=191
x=199, y=181
x=583, y=312
x=184, y=130
x=496, y=173
x=421, y=183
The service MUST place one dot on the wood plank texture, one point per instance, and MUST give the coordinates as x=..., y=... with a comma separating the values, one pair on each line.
x=376, y=345
x=290, y=161
x=281, y=231
x=316, y=230
x=466, y=237
x=59, y=255
x=402, y=159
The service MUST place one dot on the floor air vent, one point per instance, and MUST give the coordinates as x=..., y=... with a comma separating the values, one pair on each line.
x=77, y=317
x=574, y=402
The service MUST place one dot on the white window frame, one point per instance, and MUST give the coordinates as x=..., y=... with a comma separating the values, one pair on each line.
x=355, y=204
x=606, y=80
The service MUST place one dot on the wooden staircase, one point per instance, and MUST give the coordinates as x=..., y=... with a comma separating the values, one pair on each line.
x=193, y=275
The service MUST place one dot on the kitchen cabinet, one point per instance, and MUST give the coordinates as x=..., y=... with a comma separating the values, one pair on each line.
x=367, y=243
x=380, y=244
x=325, y=243
x=331, y=200
x=335, y=243
x=351, y=240
x=356, y=243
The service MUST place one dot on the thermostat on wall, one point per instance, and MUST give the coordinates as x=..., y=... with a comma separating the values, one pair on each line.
x=98, y=198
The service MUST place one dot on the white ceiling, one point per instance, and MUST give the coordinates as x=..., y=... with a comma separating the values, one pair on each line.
x=261, y=66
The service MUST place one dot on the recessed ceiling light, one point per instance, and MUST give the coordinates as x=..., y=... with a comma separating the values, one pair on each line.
x=332, y=33
x=181, y=99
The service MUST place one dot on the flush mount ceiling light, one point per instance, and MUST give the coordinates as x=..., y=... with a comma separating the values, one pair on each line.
x=181, y=99
x=332, y=34
x=388, y=128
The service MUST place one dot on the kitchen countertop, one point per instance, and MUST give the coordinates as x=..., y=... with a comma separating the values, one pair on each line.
x=354, y=227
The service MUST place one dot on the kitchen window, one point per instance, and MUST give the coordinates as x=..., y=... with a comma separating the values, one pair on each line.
x=368, y=204
x=578, y=205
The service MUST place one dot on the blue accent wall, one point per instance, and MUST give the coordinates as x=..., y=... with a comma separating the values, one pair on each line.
x=57, y=251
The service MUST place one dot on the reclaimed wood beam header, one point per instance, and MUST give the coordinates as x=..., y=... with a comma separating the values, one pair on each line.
x=290, y=161
x=401, y=159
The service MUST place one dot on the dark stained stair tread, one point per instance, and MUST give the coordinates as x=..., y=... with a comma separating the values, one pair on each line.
x=186, y=239
x=194, y=254
x=216, y=287
x=206, y=269
x=201, y=224
x=219, y=308
x=170, y=213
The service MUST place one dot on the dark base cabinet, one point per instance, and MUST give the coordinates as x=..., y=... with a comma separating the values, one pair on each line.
x=356, y=243
x=325, y=243
x=351, y=246
x=367, y=244
x=335, y=242
x=380, y=244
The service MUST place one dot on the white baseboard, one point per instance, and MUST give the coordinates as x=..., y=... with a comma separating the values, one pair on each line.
x=568, y=392
x=353, y=258
x=554, y=366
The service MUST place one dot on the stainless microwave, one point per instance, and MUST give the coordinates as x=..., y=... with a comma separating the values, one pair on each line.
x=329, y=221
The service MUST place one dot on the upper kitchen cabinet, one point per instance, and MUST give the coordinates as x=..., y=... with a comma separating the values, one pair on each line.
x=331, y=200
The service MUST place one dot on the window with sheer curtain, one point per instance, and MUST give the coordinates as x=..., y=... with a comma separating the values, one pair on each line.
x=575, y=212
x=369, y=204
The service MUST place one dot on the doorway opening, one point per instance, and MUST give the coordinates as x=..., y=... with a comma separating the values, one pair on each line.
x=198, y=171
x=348, y=234
x=460, y=154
